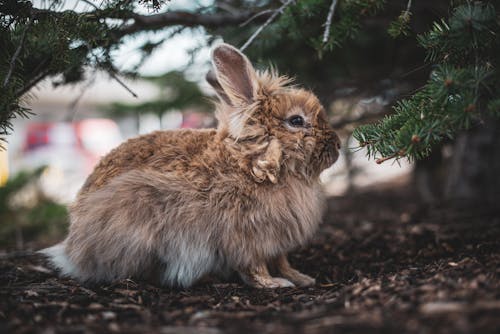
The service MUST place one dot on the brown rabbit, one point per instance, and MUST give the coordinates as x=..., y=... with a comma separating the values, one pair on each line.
x=180, y=205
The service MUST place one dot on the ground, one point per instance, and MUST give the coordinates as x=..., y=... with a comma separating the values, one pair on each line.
x=383, y=263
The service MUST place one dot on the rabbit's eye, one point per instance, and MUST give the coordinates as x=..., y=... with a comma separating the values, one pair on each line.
x=296, y=121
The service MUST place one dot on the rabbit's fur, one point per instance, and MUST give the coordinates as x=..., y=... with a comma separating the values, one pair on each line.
x=179, y=205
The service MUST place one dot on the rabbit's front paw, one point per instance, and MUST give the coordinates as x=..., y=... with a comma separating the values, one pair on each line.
x=266, y=169
x=268, y=164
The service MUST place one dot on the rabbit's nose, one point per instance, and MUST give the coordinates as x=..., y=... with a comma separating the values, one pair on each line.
x=334, y=139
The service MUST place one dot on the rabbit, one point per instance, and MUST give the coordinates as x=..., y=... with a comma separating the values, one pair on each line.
x=180, y=205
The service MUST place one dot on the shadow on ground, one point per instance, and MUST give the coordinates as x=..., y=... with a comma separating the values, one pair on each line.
x=382, y=262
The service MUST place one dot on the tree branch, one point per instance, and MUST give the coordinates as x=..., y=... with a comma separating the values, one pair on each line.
x=146, y=23
x=167, y=19
x=16, y=54
x=328, y=22
x=35, y=79
x=267, y=11
x=268, y=21
x=127, y=88
x=188, y=19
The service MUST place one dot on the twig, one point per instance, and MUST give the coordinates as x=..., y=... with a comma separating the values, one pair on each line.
x=225, y=6
x=39, y=77
x=328, y=22
x=14, y=57
x=394, y=155
x=123, y=84
x=269, y=20
x=91, y=4
x=267, y=11
x=408, y=6
x=406, y=14
x=381, y=160
x=74, y=103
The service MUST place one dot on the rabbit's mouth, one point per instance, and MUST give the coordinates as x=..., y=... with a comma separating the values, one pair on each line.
x=329, y=149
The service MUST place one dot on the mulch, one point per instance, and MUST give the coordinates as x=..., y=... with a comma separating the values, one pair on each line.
x=383, y=263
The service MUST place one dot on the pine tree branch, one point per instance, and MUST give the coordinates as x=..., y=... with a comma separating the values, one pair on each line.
x=16, y=54
x=33, y=82
x=188, y=19
x=384, y=159
x=168, y=19
x=127, y=88
x=144, y=23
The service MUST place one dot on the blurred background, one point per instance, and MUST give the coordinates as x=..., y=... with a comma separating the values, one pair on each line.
x=151, y=78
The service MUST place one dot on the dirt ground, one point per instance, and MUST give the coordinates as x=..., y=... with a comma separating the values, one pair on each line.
x=383, y=264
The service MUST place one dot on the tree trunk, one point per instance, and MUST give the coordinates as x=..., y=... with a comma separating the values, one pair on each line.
x=471, y=173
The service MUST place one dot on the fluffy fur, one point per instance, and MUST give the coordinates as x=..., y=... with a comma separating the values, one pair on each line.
x=179, y=205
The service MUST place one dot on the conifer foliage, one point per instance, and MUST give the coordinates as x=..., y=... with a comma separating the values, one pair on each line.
x=462, y=91
x=38, y=43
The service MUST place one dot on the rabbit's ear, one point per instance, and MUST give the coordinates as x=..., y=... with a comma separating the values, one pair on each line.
x=212, y=80
x=235, y=78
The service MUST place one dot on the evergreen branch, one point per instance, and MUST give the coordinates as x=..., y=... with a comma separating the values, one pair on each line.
x=33, y=82
x=400, y=26
x=163, y=20
x=460, y=89
x=384, y=159
x=328, y=22
x=269, y=20
x=187, y=19
x=14, y=57
x=113, y=75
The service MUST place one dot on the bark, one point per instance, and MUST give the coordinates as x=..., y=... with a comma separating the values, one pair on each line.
x=470, y=175
x=475, y=164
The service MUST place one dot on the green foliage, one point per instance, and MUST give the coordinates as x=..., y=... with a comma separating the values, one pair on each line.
x=462, y=89
x=38, y=43
x=40, y=219
x=469, y=34
x=304, y=22
x=400, y=26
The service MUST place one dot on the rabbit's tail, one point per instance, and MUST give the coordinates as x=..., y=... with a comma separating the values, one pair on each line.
x=59, y=259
